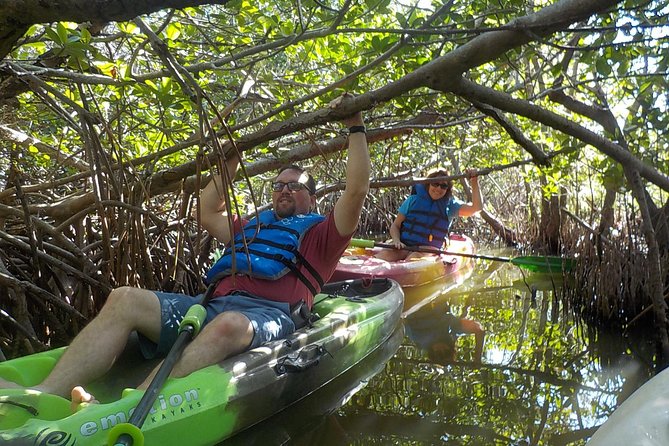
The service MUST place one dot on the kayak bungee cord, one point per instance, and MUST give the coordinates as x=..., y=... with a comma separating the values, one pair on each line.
x=31, y=410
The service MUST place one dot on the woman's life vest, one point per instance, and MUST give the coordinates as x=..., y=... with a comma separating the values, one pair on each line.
x=267, y=248
x=427, y=221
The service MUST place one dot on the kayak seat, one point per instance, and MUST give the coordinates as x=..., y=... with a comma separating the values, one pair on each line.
x=302, y=315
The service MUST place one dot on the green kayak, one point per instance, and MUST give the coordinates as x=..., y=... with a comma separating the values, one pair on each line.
x=214, y=403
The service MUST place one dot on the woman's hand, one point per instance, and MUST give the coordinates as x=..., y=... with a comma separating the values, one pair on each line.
x=398, y=244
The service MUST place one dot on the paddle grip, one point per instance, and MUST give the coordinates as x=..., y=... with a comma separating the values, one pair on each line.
x=361, y=243
x=194, y=318
x=125, y=434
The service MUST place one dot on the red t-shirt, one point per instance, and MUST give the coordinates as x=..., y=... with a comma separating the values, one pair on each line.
x=322, y=246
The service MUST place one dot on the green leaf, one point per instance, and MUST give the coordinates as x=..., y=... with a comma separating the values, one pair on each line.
x=377, y=44
x=151, y=84
x=62, y=32
x=603, y=67
x=172, y=31
x=623, y=67
x=52, y=34
x=401, y=20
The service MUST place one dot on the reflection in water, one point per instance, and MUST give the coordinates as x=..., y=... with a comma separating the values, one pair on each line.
x=539, y=383
x=435, y=330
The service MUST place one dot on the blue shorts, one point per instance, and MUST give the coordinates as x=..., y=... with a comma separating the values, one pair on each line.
x=271, y=320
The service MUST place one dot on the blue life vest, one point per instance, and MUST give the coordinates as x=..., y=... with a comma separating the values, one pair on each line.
x=427, y=222
x=271, y=249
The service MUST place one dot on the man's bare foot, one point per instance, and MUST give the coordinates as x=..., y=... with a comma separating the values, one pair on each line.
x=79, y=395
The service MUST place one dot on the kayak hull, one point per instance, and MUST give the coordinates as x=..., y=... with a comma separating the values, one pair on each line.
x=642, y=419
x=313, y=410
x=359, y=263
x=218, y=401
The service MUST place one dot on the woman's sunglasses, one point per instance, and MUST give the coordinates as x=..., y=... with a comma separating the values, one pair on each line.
x=293, y=186
x=441, y=185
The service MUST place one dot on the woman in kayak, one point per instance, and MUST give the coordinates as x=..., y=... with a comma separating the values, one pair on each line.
x=423, y=220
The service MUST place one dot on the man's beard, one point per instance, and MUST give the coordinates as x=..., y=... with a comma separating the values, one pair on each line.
x=286, y=209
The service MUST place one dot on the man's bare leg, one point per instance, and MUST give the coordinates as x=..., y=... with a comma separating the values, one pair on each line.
x=392, y=255
x=94, y=350
x=228, y=334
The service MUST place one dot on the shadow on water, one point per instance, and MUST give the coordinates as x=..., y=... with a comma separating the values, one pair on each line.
x=542, y=379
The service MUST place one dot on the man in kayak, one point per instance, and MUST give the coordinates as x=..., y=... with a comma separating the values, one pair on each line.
x=424, y=219
x=251, y=303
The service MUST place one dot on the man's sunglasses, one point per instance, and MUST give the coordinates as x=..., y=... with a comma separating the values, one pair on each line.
x=441, y=185
x=293, y=186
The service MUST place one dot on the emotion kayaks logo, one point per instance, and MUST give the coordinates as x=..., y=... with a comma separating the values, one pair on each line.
x=165, y=408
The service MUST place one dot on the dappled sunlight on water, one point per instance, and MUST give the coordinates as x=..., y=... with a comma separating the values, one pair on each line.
x=537, y=381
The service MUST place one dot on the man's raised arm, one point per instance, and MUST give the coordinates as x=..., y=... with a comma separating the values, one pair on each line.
x=349, y=206
x=213, y=208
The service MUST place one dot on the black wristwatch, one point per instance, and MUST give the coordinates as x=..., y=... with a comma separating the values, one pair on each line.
x=357, y=129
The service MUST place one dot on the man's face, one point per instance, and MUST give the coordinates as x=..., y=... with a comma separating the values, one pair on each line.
x=286, y=202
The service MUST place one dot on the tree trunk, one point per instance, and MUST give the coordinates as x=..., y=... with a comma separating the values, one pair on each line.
x=655, y=273
x=550, y=224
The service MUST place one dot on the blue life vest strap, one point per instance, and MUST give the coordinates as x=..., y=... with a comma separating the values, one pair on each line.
x=293, y=267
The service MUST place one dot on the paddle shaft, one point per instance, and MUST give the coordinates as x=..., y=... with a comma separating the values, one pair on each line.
x=544, y=264
x=144, y=406
x=439, y=251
